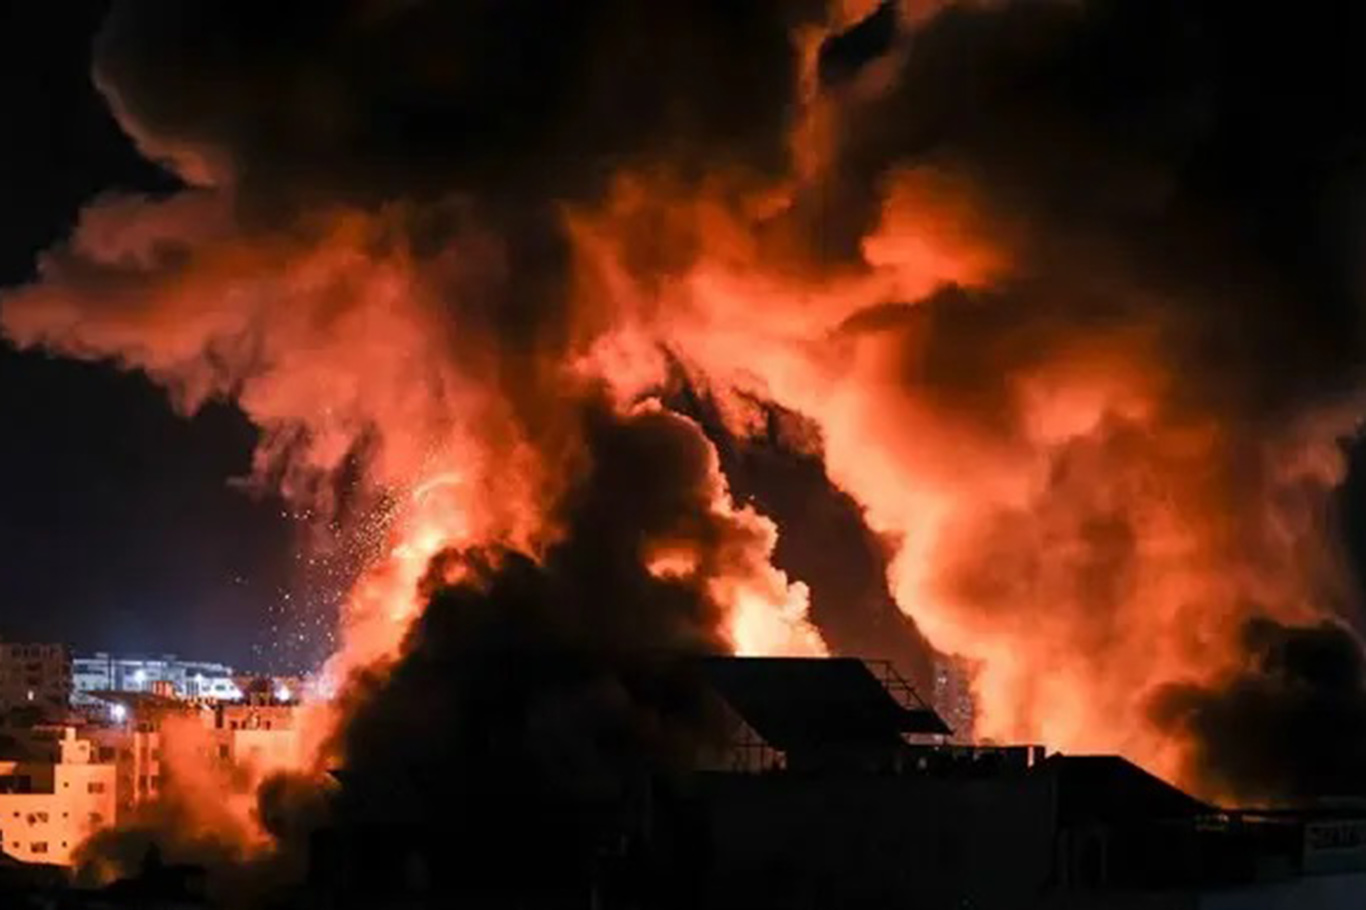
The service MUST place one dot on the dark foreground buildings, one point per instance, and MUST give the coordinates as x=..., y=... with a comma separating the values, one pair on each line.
x=835, y=787
x=837, y=790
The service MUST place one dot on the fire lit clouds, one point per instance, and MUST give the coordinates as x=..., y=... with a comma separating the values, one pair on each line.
x=1062, y=287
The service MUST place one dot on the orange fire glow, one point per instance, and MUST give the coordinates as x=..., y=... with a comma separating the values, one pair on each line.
x=1057, y=513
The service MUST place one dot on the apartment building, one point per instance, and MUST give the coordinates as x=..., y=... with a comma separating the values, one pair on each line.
x=54, y=796
x=36, y=675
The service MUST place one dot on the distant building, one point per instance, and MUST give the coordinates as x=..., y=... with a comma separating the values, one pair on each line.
x=166, y=675
x=132, y=744
x=53, y=796
x=260, y=732
x=35, y=675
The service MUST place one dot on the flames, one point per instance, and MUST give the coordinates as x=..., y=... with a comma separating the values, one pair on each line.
x=1069, y=503
x=1060, y=520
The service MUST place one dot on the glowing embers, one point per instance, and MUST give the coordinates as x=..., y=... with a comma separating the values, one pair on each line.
x=388, y=596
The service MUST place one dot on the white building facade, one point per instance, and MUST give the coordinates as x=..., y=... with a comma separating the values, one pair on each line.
x=103, y=672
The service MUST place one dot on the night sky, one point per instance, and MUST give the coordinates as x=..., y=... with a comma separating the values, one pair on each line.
x=119, y=528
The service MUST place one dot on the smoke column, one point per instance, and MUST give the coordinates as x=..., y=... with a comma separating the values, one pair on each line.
x=1060, y=292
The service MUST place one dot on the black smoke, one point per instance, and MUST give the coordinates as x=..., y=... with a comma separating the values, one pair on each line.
x=305, y=103
x=1191, y=171
x=590, y=598
x=823, y=540
x=1289, y=726
x=539, y=703
x=1198, y=164
x=485, y=117
x=541, y=709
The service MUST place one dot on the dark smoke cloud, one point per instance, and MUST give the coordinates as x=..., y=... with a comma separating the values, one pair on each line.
x=377, y=100
x=824, y=540
x=511, y=108
x=535, y=700
x=1201, y=160
x=650, y=482
x=1290, y=726
x=1180, y=182
x=1147, y=167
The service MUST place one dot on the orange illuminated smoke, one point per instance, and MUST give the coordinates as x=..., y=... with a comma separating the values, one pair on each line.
x=1058, y=509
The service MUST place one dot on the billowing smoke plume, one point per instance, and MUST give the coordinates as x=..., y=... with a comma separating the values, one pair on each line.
x=1075, y=326
x=1291, y=723
x=538, y=698
x=1059, y=292
x=776, y=466
x=535, y=699
x=371, y=258
x=1113, y=445
x=373, y=261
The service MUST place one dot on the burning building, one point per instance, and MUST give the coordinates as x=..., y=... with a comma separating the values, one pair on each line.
x=150, y=738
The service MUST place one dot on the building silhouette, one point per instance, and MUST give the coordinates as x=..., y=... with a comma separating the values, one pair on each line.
x=833, y=785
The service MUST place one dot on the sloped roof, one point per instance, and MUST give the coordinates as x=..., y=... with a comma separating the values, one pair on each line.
x=801, y=703
x=1099, y=788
